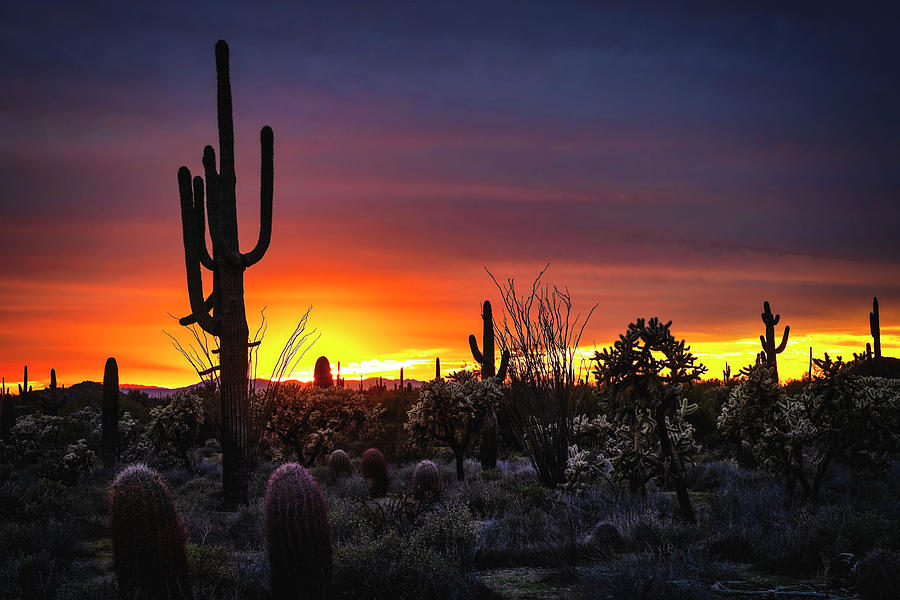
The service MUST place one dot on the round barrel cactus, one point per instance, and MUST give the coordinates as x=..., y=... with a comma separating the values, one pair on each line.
x=147, y=536
x=373, y=466
x=339, y=464
x=426, y=484
x=298, y=534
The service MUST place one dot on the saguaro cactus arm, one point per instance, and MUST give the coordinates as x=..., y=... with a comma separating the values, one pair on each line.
x=192, y=254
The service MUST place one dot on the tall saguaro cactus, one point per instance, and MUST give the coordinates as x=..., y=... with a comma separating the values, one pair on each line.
x=109, y=410
x=54, y=406
x=770, y=351
x=486, y=357
x=222, y=313
x=24, y=388
x=875, y=329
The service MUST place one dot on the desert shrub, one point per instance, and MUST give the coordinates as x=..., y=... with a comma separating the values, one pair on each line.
x=452, y=411
x=431, y=559
x=174, y=428
x=35, y=443
x=878, y=575
x=663, y=574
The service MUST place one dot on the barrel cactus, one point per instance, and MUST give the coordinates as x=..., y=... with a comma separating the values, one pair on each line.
x=298, y=534
x=339, y=464
x=426, y=484
x=147, y=536
x=373, y=467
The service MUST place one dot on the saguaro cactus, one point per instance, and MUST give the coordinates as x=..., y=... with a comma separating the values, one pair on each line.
x=322, y=373
x=54, y=405
x=228, y=319
x=437, y=367
x=147, y=536
x=7, y=412
x=401, y=378
x=770, y=351
x=486, y=357
x=298, y=534
x=109, y=435
x=490, y=432
x=24, y=388
x=875, y=329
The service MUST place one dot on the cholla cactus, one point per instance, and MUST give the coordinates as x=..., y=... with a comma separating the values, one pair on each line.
x=298, y=534
x=175, y=427
x=339, y=464
x=373, y=467
x=426, y=483
x=451, y=412
x=643, y=378
x=147, y=536
x=311, y=420
x=838, y=415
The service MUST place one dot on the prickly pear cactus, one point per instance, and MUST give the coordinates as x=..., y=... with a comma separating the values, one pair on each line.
x=298, y=534
x=147, y=536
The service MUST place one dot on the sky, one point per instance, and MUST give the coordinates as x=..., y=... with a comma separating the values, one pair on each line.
x=687, y=162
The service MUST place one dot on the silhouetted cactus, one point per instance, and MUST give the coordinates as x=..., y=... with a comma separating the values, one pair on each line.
x=109, y=435
x=373, y=467
x=7, y=412
x=426, y=483
x=490, y=432
x=486, y=358
x=24, y=388
x=54, y=405
x=875, y=329
x=770, y=351
x=298, y=534
x=147, y=536
x=437, y=367
x=228, y=320
x=339, y=464
x=401, y=378
x=322, y=373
